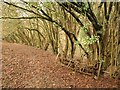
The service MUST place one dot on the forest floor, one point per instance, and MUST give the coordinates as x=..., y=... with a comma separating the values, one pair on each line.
x=28, y=67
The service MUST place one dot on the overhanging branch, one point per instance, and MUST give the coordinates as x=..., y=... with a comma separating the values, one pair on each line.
x=48, y=18
x=31, y=11
x=19, y=17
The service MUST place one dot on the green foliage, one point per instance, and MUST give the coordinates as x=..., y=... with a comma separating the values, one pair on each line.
x=77, y=42
x=84, y=28
x=86, y=7
x=84, y=38
x=90, y=40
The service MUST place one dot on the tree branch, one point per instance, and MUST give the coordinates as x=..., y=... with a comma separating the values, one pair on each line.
x=34, y=30
x=40, y=16
x=109, y=10
x=53, y=21
x=19, y=17
x=105, y=10
x=74, y=15
x=93, y=19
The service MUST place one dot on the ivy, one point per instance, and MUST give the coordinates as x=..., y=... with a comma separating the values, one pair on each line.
x=86, y=7
x=84, y=28
x=90, y=40
x=77, y=43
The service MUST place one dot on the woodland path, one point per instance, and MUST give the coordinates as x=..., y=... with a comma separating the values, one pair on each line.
x=29, y=67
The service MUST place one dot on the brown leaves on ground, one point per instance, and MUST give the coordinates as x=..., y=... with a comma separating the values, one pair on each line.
x=29, y=67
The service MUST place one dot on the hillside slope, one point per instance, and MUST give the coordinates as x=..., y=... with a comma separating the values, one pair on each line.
x=29, y=67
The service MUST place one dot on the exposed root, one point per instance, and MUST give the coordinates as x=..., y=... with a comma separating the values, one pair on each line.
x=88, y=70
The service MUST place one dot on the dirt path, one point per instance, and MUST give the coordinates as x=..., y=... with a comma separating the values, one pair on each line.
x=25, y=66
